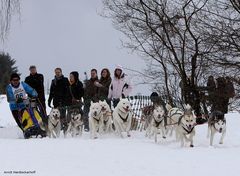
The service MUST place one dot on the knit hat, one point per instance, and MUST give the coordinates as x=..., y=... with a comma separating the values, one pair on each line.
x=14, y=75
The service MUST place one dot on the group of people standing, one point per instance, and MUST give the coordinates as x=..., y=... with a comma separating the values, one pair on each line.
x=220, y=90
x=69, y=94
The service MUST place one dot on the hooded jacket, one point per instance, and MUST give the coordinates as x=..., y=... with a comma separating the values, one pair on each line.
x=119, y=87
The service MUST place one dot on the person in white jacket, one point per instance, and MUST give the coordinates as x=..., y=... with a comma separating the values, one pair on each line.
x=120, y=86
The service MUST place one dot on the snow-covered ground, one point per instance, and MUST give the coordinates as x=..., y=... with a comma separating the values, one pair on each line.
x=112, y=156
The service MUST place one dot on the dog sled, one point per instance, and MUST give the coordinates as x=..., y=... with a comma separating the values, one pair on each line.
x=32, y=119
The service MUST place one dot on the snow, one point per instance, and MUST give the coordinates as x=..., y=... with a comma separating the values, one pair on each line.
x=113, y=156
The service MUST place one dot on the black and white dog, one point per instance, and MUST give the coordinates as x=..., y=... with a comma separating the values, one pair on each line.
x=216, y=123
x=75, y=125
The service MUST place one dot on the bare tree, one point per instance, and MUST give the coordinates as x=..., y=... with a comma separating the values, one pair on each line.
x=177, y=39
x=7, y=9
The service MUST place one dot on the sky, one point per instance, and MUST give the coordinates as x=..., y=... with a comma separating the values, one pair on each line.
x=69, y=34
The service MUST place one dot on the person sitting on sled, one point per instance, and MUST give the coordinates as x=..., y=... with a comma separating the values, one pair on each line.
x=17, y=92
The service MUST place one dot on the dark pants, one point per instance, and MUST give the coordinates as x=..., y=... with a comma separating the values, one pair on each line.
x=86, y=110
x=16, y=115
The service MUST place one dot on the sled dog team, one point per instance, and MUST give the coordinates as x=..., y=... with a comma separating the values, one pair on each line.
x=103, y=121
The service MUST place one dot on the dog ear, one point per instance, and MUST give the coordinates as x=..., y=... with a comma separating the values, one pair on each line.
x=91, y=102
x=100, y=101
x=104, y=101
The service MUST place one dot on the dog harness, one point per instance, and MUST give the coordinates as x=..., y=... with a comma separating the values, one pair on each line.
x=188, y=131
x=158, y=123
x=105, y=121
x=96, y=119
x=54, y=124
x=124, y=120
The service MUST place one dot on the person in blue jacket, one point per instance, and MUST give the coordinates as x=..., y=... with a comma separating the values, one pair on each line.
x=17, y=92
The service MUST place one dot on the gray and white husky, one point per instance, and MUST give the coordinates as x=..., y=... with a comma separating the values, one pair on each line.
x=75, y=125
x=216, y=123
x=185, y=130
x=157, y=123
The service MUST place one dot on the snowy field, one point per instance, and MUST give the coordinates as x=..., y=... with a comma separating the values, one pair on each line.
x=112, y=156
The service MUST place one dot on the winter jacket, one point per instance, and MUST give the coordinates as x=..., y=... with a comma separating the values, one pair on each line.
x=90, y=92
x=19, y=92
x=37, y=82
x=59, y=92
x=119, y=88
x=103, y=91
x=76, y=90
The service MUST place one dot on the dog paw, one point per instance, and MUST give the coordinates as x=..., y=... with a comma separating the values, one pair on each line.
x=191, y=145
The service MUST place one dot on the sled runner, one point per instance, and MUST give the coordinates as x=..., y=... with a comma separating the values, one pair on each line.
x=32, y=119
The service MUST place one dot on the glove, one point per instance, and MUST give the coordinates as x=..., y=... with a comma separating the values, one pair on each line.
x=19, y=100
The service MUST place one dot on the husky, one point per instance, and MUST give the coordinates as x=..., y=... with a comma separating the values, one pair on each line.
x=174, y=114
x=186, y=126
x=75, y=125
x=122, y=117
x=54, y=123
x=106, y=121
x=216, y=123
x=157, y=123
x=95, y=119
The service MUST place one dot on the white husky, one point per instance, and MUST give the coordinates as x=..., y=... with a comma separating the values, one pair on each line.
x=95, y=118
x=216, y=123
x=122, y=117
x=157, y=123
x=106, y=120
x=186, y=127
x=54, y=123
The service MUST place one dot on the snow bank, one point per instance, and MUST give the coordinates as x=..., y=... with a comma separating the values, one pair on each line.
x=112, y=156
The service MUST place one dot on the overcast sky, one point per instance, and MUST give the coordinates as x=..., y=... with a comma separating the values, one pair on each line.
x=69, y=34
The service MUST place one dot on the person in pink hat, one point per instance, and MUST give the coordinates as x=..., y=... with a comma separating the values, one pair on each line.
x=120, y=86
